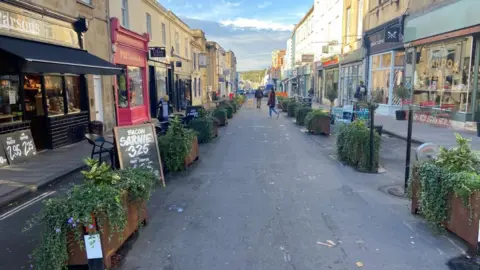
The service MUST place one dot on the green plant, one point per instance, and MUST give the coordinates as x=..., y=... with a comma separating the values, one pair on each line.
x=234, y=105
x=353, y=146
x=140, y=183
x=402, y=92
x=291, y=108
x=301, y=114
x=228, y=108
x=175, y=145
x=220, y=114
x=331, y=94
x=312, y=116
x=203, y=126
x=100, y=173
x=460, y=158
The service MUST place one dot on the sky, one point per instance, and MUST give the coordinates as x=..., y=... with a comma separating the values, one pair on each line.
x=252, y=29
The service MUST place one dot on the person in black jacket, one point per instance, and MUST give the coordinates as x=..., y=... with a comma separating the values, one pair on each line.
x=259, y=96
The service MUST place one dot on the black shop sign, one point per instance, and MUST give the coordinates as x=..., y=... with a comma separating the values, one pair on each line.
x=137, y=147
x=157, y=52
x=193, y=111
x=17, y=146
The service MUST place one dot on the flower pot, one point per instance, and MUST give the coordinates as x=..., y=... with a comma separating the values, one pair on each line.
x=463, y=222
x=320, y=126
x=400, y=115
x=193, y=155
x=215, y=129
x=111, y=242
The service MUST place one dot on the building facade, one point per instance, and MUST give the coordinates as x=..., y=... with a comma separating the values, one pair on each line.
x=304, y=52
x=201, y=41
x=231, y=60
x=46, y=78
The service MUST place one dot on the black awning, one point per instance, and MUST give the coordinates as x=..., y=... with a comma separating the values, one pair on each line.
x=46, y=58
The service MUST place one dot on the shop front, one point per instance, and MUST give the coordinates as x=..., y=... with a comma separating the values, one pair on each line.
x=331, y=76
x=132, y=96
x=43, y=86
x=385, y=65
x=318, y=81
x=158, y=84
x=351, y=74
x=443, y=65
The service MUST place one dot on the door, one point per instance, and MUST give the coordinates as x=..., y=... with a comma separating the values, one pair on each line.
x=97, y=88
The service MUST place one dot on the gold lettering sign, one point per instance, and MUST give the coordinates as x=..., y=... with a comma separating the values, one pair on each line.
x=128, y=56
x=50, y=30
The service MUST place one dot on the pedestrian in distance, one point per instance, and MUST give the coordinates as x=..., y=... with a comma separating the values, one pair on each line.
x=259, y=96
x=271, y=103
x=361, y=92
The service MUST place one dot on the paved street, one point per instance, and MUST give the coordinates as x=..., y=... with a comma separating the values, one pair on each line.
x=267, y=196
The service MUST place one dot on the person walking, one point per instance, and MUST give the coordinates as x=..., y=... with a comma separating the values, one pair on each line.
x=271, y=103
x=259, y=96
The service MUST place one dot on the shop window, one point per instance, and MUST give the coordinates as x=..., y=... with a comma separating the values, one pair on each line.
x=33, y=96
x=135, y=86
x=10, y=105
x=386, y=60
x=122, y=90
x=442, y=75
x=54, y=95
x=380, y=85
x=161, y=79
x=399, y=59
x=376, y=61
x=73, y=94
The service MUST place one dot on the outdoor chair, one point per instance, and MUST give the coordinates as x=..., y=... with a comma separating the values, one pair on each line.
x=100, y=147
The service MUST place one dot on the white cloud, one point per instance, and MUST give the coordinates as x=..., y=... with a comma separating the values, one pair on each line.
x=257, y=24
x=264, y=4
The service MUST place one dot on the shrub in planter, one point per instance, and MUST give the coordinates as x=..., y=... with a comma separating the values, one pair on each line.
x=240, y=99
x=221, y=116
x=285, y=105
x=228, y=108
x=204, y=128
x=105, y=195
x=403, y=93
x=291, y=108
x=353, y=146
x=234, y=106
x=176, y=145
x=301, y=113
x=318, y=122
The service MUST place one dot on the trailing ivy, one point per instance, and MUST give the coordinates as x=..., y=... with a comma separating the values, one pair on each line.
x=301, y=113
x=175, y=145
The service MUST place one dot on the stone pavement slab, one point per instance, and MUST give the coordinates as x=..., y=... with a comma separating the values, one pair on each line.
x=21, y=179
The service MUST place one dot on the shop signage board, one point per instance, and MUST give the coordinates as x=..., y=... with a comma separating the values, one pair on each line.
x=16, y=22
x=157, y=52
x=18, y=146
x=392, y=34
x=137, y=147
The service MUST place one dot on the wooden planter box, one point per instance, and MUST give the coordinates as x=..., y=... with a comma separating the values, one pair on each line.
x=320, y=126
x=136, y=214
x=193, y=155
x=463, y=222
x=215, y=129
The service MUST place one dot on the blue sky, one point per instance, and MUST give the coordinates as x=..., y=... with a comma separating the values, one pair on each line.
x=251, y=29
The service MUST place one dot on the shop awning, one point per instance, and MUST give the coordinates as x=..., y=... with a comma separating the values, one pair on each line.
x=46, y=58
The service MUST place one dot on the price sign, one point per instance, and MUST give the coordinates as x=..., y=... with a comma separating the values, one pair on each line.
x=137, y=147
x=18, y=146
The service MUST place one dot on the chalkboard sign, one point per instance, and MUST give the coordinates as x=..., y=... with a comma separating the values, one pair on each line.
x=193, y=111
x=3, y=157
x=18, y=146
x=137, y=147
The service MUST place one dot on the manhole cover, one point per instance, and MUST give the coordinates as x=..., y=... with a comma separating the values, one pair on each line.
x=464, y=263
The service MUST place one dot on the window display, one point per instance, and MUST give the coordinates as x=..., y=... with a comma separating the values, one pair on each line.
x=135, y=86
x=161, y=78
x=33, y=96
x=10, y=105
x=54, y=94
x=73, y=94
x=442, y=75
x=122, y=90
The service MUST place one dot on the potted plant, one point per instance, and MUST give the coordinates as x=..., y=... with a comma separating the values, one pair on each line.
x=221, y=116
x=285, y=105
x=332, y=95
x=228, y=108
x=178, y=147
x=204, y=127
x=318, y=122
x=403, y=93
x=291, y=108
x=109, y=204
x=301, y=113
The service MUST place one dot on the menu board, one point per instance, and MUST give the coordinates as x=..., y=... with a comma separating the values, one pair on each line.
x=18, y=146
x=193, y=111
x=137, y=147
x=3, y=157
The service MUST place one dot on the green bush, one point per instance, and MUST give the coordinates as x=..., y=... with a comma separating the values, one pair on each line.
x=291, y=108
x=203, y=126
x=100, y=194
x=285, y=105
x=175, y=145
x=221, y=116
x=313, y=115
x=353, y=146
x=301, y=113
x=228, y=108
x=234, y=105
